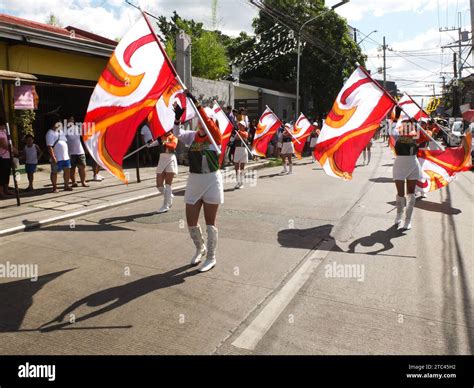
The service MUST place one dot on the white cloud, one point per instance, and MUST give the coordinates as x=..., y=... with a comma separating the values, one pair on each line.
x=405, y=61
x=111, y=18
x=356, y=10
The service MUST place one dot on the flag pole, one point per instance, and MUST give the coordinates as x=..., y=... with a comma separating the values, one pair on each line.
x=439, y=146
x=439, y=126
x=10, y=146
x=170, y=64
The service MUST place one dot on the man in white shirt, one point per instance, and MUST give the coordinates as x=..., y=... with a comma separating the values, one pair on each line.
x=76, y=152
x=58, y=151
x=147, y=137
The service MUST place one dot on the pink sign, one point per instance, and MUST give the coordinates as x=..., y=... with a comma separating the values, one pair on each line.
x=24, y=97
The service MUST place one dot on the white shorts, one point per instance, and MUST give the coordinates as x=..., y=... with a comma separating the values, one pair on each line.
x=407, y=168
x=287, y=148
x=241, y=155
x=313, y=143
x=208, y=187
x=167, y=163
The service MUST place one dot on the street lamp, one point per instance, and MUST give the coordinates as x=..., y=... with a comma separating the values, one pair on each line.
x=299, y=51
x=366, y=36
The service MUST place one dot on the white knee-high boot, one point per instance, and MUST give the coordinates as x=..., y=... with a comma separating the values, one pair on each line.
x=237, y=179
x=169, y=195
x=212, y=237
x=409, y=213
x=401, y=202
x=167, y=199
x=196, y=235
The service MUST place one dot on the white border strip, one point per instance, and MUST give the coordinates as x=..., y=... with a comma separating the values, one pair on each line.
x=252, y=335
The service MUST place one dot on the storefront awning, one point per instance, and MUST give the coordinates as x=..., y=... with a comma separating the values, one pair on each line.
x=16, y=76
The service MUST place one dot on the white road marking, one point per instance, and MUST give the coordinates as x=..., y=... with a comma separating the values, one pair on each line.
x=252, y=335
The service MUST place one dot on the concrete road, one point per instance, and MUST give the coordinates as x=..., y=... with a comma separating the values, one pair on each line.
x=307, y=264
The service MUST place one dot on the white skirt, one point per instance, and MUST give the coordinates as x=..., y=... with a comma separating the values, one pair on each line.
x=287, y=148
x=241, y=155
x=167, y=163
x=407, y=168
x=208, y=187
x=313, y=142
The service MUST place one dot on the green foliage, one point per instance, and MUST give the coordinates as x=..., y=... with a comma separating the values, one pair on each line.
x=24, y=120
x=53, y=20
x=324, y=66
x=209, y=57
x=211, y=61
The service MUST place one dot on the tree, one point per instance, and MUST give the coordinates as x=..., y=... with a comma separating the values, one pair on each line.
x=209, y=57
x=328, y=56
x=211, y=61
x=53, y=20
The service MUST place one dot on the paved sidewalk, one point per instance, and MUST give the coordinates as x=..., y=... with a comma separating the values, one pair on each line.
x=41, y=207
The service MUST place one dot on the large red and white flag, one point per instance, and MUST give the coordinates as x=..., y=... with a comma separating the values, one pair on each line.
x=441, y=167
x=301, y=131
x=162, y=117
x=355, y=116
x=225, y=127
x=266, y=129
x=137, y=75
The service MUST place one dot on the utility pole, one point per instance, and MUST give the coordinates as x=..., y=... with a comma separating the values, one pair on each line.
x=472, y=30
x=455, y=87
x=384, y=48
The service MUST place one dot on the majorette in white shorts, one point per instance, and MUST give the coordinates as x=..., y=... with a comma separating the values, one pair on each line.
x=287, y=148
x=167, y=163
x=208, y=187
x=407, y=167
x=241, y=155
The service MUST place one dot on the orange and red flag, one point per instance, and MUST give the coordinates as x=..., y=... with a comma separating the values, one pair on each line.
x=355, y=116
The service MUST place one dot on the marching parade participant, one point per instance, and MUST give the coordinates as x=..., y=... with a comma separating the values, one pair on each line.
x=241, y=156
x=314, y=140
x=167, y=169
x=287, y=149
x=406, y=168
x=205, y=187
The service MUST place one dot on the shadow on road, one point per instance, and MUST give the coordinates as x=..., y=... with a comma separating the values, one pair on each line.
x=444, y=207
x=85, y=228
x=383, y=237
x=270, y=176
x=17, y=297
x=115, y=297
x=381, y=180
x=306, y=238
x=125, y=219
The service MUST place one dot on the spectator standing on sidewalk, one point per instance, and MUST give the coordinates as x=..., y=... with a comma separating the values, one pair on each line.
x=32, y=153
x=76, y=152
x=367, y=153
x=150, y=151
x=58, y=151
x=5, y=161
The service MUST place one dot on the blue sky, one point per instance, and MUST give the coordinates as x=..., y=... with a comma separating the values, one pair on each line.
x=409, y=26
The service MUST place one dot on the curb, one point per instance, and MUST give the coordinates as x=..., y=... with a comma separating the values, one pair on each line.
x=68, y=216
